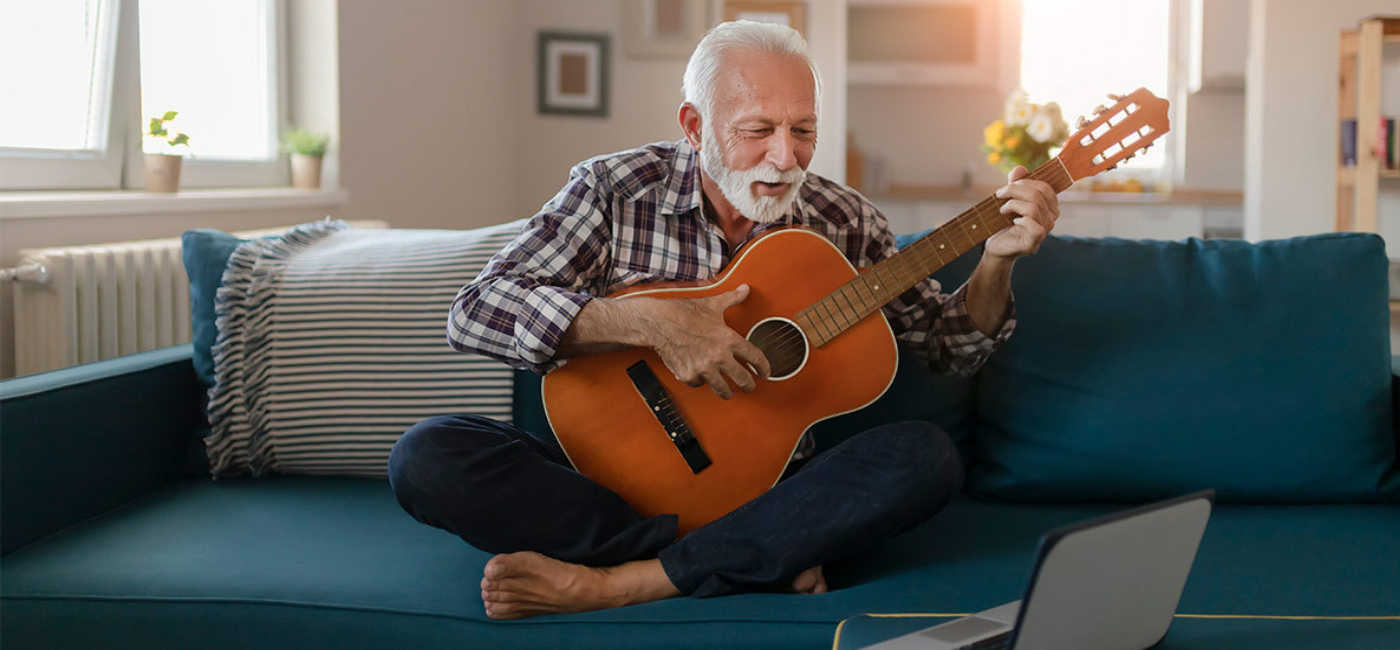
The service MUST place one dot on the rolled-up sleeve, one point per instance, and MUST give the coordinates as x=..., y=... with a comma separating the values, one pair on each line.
x=529, y=293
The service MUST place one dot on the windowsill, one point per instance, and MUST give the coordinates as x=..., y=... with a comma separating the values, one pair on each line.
x=43, y=205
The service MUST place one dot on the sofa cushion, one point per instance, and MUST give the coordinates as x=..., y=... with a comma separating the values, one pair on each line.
x=1143, y=369
x=287, y=562
x=205, y=253
x=332, y=342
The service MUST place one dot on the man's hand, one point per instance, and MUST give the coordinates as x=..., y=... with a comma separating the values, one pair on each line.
x=699, y=348
x=1036, y=206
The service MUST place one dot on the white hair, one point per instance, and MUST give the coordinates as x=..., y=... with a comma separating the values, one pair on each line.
x=770, y=38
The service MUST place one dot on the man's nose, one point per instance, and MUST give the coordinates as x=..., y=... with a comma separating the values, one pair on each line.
x=782, y=150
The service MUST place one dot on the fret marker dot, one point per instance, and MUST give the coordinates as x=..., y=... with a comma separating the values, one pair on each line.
x=941, y=247
x=877, y=287
x=974, y=226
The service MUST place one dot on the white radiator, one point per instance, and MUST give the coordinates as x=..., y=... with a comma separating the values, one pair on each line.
x=102, y=301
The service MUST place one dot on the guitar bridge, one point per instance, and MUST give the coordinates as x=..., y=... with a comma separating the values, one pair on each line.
x=664, y=410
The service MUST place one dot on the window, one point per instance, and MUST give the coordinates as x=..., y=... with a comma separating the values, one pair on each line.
x=86, y=99
x=1070, y=56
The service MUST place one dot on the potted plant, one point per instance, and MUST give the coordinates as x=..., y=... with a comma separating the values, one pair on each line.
x=163, y=166
x=307, y=149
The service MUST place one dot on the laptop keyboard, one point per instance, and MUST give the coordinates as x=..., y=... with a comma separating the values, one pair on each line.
x=998, y=642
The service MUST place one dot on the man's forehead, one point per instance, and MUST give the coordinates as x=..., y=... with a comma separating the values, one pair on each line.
x=753, y=82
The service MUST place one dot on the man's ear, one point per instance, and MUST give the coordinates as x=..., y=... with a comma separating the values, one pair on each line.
x=691, y=123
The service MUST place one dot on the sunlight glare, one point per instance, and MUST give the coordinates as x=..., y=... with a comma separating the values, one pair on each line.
x=1075, y=52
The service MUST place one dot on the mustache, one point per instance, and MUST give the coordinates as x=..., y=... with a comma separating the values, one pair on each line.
x=770, y=174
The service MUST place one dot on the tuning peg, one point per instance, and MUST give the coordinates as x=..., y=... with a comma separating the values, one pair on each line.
x=1099, y=110
x=1113, y=166
x=1079, y=125
x=1114, y=97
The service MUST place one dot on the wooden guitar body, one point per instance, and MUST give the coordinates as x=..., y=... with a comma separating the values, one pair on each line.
x=612, y=435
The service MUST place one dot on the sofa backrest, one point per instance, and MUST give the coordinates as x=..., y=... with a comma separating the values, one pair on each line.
x=1145, y=369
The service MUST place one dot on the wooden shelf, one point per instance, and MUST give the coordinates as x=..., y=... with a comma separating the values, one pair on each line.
x=1347, y=175
x=1360, y=60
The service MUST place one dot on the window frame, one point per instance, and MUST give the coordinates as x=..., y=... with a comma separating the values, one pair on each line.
x=1166, y=174
x=120, y=164
x=50, y=169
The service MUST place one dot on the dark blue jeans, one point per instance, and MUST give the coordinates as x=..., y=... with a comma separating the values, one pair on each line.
x=504, y=490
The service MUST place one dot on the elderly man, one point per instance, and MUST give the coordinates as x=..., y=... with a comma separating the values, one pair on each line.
x=679, y=211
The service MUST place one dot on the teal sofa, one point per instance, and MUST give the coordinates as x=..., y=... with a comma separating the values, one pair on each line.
x=1139, y=370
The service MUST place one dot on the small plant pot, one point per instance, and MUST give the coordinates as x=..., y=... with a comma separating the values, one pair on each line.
x=306, y=172
x=163, y=172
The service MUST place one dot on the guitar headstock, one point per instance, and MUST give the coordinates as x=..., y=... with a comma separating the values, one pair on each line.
x=1116, y=133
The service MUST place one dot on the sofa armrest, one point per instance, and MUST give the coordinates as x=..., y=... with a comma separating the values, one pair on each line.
x=80, y=441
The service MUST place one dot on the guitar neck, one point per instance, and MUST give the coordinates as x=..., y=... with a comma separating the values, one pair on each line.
x=827, y=318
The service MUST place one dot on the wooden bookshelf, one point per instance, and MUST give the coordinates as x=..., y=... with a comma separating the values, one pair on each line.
x=1359, y=98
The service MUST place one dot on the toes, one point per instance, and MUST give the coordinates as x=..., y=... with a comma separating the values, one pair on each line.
x=503, y=612
x=811, y=581
x=497, y=567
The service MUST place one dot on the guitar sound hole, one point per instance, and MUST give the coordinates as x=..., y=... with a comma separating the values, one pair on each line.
x=783, y=343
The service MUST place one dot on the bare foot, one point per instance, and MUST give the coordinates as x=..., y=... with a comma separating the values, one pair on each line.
x=517, y=585
x=810, y=581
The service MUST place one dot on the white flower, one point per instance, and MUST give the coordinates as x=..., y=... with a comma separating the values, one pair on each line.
x=1057, y=119
x=1041, y=128
x=1018, y=109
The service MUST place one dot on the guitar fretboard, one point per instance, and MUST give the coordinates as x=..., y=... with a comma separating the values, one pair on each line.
x=827, y=318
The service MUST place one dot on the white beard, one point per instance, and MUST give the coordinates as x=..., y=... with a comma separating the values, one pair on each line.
x=737, y=184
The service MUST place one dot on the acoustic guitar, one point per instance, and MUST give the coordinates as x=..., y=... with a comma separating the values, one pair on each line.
x=625, y=421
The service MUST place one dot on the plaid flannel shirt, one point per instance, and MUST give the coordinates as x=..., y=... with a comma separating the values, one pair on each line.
x=636, y=217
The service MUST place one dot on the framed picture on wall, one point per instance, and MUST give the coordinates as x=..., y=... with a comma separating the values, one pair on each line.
x=791, y=13
x=663, y=28
x=572, y=74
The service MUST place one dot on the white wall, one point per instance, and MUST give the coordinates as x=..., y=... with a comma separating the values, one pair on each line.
x=1212, y=140
x=427, y=112
x=1291, y=138
x=646, y=95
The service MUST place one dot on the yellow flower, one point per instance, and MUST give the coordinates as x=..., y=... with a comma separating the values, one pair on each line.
x=994, y=132
x=1013, y=142
x=994, y=158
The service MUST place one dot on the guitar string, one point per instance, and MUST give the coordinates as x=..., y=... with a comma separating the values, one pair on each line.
x=1052, y=172
x=788, y=346
x=790, y=342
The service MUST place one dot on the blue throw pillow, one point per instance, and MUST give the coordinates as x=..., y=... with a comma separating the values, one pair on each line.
x=1143, y=369
x=206, y=254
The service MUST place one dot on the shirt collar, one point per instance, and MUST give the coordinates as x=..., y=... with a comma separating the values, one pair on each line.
x=683, y=188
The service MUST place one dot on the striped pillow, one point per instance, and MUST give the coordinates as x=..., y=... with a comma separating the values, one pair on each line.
x=332, y=342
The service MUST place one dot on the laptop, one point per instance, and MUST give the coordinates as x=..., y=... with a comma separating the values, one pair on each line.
x=1110, y=583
